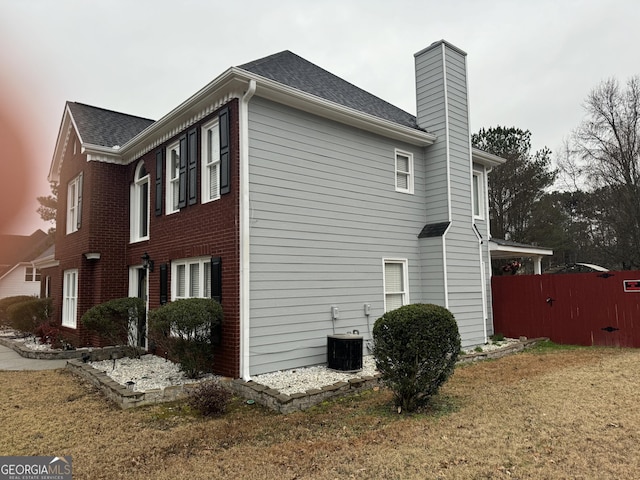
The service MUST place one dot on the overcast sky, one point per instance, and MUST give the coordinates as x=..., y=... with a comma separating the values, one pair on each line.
x=531, y=63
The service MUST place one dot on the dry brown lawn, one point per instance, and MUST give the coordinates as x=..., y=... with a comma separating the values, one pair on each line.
x=541, y=414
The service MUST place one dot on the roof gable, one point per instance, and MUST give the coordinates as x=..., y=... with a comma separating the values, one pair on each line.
x=95, y=127
x=290, y=69
x=98, y=126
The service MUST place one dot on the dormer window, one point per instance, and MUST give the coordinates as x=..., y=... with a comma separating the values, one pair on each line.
x=139, y=205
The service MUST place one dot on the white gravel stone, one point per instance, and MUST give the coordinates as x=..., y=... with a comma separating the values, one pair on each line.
x=147, y=372
x=303, y=379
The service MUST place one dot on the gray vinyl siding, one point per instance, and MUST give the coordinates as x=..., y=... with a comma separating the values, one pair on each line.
x=442, y=109
x=431, y=116
x=463, y=246
x=483, y=228
x=324, y=214
x=432, y=260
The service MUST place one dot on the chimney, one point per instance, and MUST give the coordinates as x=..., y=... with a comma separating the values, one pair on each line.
x=442, y=109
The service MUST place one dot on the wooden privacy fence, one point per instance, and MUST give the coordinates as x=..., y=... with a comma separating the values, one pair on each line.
x=577, y=308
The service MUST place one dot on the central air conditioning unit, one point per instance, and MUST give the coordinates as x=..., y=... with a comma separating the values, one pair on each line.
x=344, y=352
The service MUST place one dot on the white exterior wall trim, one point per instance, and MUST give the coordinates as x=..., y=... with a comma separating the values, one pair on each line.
x=485, y=197
x=447, y=137
x=245, y=251
x=448, y=160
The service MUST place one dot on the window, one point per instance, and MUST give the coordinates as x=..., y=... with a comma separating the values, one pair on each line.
x=70, y=298
x=74, y=204
x=210, y=162
x=139, y=205
x=477, y=193
x=173, y=178
x=191, y=278
x=404, y=172
x=396, y=293
x=32, y=274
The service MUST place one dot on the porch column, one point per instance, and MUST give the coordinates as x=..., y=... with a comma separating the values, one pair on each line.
x=537, y=265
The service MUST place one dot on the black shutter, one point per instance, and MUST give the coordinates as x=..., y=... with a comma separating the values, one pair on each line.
x=79, y=216
x=182, y=182
x=159, y=165
x=164, y=283
x=193, y=166
x=216, y=278
x=225, y=152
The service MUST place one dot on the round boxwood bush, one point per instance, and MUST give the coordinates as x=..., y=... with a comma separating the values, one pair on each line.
x=6, y=302
x=111, y=319
x=186, y=330
x=416, y=348
x=27, y=315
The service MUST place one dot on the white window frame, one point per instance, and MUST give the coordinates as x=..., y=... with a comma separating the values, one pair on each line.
x=405, y=280
x=73, y=203
x=136, y=205
x=204, y=289
x=402, y=173
x=210, y=161
x=173, y=183
x=31, y=274
x=477, y=194
x=70, y=299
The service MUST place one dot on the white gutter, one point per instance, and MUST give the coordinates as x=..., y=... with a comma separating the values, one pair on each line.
x=245, y=317
x=489, y=160
x=448, y=163
x=293, y=97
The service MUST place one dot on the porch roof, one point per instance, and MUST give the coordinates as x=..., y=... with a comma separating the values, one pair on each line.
x=500, y=248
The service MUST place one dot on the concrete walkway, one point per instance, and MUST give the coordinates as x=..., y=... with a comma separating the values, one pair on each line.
x=11, y=360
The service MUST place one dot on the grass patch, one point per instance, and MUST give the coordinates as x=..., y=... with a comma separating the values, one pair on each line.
x=571, y=413
x=547, y=346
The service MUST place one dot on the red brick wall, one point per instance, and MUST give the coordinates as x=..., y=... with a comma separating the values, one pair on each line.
x=209, y=229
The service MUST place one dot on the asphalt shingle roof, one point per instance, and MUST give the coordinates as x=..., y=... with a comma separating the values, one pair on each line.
x=289, y=69
x=434, y=230
x=98, y=126
x=106, y=128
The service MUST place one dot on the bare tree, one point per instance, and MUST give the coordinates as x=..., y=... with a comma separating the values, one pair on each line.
x=606, y=150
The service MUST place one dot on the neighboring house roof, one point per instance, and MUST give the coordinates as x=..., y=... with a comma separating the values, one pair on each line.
x=290, y=69
x=16, y=249
x=578, y=267
x=97, y=126
x=46, y=259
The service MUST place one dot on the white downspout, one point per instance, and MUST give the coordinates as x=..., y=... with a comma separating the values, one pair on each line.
x=245, y=318
x=448, y=159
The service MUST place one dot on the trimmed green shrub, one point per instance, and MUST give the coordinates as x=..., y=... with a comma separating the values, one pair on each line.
x=111, y=320
x=209, y=398
x=497, y=337
x=186, y=330
x=416, y=348
x=27, y=315
x=6, y=302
